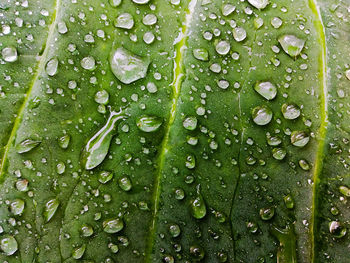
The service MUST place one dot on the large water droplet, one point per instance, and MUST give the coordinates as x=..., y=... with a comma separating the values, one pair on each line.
x=9, y=54
x=190, y=123
x=198, y=207
x=291, y=45
x=50, y=209
x=27, y=145
x=299, y=138
x=88, y=63
x=51, y=67
x=149, y=123
x=266, y=89
x=290, y=111
x=8, y=245
x=337, y=229
x=128, y=67
x=262, y=115
x=105, y=176
x=125, y=21
x=222, y=47
x=97, y=147
x=113, y=225
x=79, y=252
x=260, y=4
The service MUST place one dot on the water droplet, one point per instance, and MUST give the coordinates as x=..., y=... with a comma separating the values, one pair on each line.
x=22, y=185
x=222, y=47
x=190, y=161
x=62, y=27
x=222, y=256
x=276, y=22
x=151, y=87
x=148, y=38
x=260, y=4
x=337, y=229
x=114, y=248
x=239, y=34
x=168, y=259
x=113, y=225
x=27, y=145
x=149, y=123
x=267, y=213
x=198, y=207
x=287, y=248
x=290, y=111
x=105, y=176
x=228, y=9
x=190, y=123
x=141, y=2
x=299, y=138
x=128, y=67
x=174, y=230
x=201, y=54
x=17, y=206
x=115, y=3
x=64, y=141
x=179, y=194
x=278, y=153
x=51, y=67
x=149, y=19
x=347, y=74
x=262, y=115
x=304, y=165
x=97, y=147
x=252, y=227
x=273, y=140
x=288, y=201
x=60, y=168
x=86, y=230
x=9, y=54
x=88, y=63
x=258, y=22
x=197, y=253
x=50, y=209
x=102, y=97
x=125, y=21
x=344, y=190
x=291, y=45
x=8, y=245
x=124, y=183
x=266, y=89
x=79, y=252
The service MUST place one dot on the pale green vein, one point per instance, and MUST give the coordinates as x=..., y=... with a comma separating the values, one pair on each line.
x=40, y=68
x=180, y=49
x=324, y=120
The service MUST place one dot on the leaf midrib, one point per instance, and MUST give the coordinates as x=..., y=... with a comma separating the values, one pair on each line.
x=324, y=121
x=40, y=68
x=179, y=75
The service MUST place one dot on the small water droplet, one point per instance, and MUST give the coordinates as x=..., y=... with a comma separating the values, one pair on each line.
x=174, y=230
x=149, y=19
x=62, y=27
x=64, y=141
x=102, y=97
x=267, y=213
x=344, y=190
x=252, y=227
x=227, y=9
x=288, y=201
x=197, y=253
x=190, y=123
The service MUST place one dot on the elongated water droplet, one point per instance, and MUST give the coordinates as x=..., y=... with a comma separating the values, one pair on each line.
x=260, y=4
x=291, y=45
x=262, y=115
x=290, y=111
x=190, y=161
x=299, y=138
x=50, y=209
x=97, y=147
x=344, y=190
x=287, y=248
x=8, y=245
x=201, y=54
x=304, y=165
x=17, y=206
x=113, y=225
x=149, y=123
x=125, y=21
x=9, y=54
x=128, y=67
x=198, y=207
x=266, y=89
x=27, y=145
x=288, y=201
x=51, y=67
x=79, y=252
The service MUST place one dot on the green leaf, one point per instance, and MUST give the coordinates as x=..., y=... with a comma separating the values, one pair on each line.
x=232, y=144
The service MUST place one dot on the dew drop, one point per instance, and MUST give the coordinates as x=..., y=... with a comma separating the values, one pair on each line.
x=88, y=63
x=262, y=115
x=27, y=145
x=299, y=138
x=267, y=213
x=290, y=111
x=149, y=123
x=260, y=4
x=17, y=206
x=292, y=45
x=201, y=54
x=266, y=89
x=124, y=21
x=113, y=225
x=198, y=207
x=9, y=54
x=239, y=34
x=50, y=209
x=124, y=183
x=8, y=245
x=222, y=47
x=51, y=67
